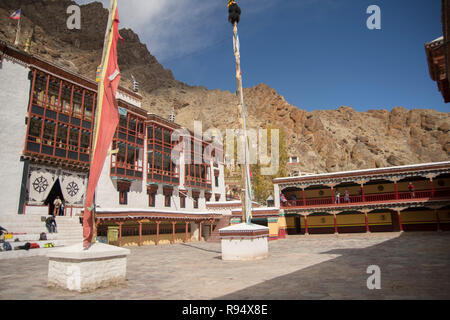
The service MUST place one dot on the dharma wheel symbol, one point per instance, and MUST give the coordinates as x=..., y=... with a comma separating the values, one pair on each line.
x=40, y=184
x=72, y=189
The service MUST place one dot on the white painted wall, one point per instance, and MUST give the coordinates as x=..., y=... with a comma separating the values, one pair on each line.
x=14, y=99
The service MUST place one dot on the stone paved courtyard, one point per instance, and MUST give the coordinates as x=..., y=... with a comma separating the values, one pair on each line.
x=413, y=266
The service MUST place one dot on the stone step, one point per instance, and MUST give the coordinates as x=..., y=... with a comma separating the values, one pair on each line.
x=215, y=236
x=27, y=228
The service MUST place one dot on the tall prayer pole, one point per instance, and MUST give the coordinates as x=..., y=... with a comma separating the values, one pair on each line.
x=243, y=241
x=99, y=90
x=16, y=42
x=17, y=15
x=246, y=187
x=106, y=119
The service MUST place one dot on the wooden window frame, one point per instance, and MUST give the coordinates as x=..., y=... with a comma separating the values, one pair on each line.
x=128, y=137
x=44, y=109
x=160, y=146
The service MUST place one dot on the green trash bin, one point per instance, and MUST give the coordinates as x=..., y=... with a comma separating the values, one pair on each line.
x=113, y=235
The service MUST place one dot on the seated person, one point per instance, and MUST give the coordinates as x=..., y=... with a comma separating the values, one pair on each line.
x=50, y=223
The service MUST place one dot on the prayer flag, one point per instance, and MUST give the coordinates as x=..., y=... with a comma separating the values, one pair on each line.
x=107, y=118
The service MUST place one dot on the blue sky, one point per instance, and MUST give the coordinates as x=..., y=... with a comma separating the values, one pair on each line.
x=318, y=54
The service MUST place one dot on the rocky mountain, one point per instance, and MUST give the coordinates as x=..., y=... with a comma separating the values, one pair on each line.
x=324, y=140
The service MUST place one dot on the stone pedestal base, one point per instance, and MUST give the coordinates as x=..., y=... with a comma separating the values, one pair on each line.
x=244, y=242
x=75, y=269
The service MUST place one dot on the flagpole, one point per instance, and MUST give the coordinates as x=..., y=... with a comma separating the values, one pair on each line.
x=113, y=5
x=16, y=42
x=245, y=171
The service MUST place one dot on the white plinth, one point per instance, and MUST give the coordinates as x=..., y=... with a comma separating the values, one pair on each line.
x=244, y=242
x=81, y=270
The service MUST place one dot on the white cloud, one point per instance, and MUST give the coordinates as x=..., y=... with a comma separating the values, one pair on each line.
x=173, y=28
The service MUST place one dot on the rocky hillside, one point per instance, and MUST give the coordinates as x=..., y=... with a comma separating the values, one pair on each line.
x=324, y=140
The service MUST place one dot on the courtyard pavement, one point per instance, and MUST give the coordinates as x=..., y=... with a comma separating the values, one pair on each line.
x=413, y=266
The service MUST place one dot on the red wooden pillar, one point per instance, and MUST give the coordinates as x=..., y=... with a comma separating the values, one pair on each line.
x=306, y=224
x=200, y=232
x=157, y=232
x=304, y=198
x=362, y=193
x=212, y=226
x=173, y=232
x=335, y=225
x=140, y=233
x=432, y=187
x=400, y=221
x=120, y=233
x=187, y=239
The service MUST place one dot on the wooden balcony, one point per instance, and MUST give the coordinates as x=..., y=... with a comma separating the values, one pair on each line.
x=421, y=195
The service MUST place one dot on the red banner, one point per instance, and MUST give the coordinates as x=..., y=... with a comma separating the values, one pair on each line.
x=107, y=119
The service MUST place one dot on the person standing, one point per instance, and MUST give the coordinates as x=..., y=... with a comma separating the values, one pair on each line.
x=283, y=199
x=337, y=197
x=346, y=196
x=411, y=190
x=57, y=203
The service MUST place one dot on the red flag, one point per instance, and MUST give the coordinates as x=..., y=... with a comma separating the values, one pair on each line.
x=107, y=118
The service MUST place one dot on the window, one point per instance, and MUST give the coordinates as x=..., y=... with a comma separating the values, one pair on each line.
x=123, y=187
x=161, y=167
x=65, y=97
x=61, y=136
x=128, y=162
x=88, y=106
x=53, y=93
x=195, y=200
x=40, y=85
x=152, y=199
x=35, y=128
x=77, y=101
x=73, y=139
x=216, y=180
x=197, y=173
x=167, y=200
x=53, y=130
x=151, y=191
x=123, y=197
x=49, y=132
x=182, y=201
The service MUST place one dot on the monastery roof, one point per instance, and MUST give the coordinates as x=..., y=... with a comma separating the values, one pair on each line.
x=372, y=171
x=435, y=42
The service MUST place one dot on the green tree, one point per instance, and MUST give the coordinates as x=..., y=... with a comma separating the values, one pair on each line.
x=262, y=184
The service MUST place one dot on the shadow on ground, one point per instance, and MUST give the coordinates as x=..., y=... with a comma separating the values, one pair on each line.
x=410, y=269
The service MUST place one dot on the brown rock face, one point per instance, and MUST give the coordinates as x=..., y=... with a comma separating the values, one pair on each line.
x=324, y=140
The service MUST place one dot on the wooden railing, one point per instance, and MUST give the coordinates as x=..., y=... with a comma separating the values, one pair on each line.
x=379, y=197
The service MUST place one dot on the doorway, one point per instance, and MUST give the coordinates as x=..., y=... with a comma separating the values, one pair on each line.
x=54, y=192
